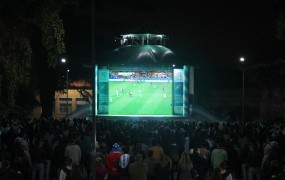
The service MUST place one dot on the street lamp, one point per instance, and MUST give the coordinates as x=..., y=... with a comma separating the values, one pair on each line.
x=63, y=60
x=67, y=71
x=242, y=60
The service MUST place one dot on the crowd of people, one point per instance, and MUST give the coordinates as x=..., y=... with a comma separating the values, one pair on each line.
x=192, y=150
x=45, y=149
x=145, y=149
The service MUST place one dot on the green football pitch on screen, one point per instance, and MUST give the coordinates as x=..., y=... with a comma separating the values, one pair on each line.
x=140, y=98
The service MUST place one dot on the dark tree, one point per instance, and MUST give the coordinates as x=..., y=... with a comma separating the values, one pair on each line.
x=31, y=43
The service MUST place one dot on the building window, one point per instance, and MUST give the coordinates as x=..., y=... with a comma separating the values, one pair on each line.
x=81, y=102
x=65, y=104
x=62, y=108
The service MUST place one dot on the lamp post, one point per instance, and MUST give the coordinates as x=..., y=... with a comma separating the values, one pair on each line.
x=242, y=60
x=67, y=71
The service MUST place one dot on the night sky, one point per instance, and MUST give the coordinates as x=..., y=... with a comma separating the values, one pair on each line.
x=201, y=33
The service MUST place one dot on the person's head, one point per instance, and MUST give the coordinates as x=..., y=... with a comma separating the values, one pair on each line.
x=97, y=146
x=220, y=143
x=77, y=141
x=254, y=146
x=6, y=164
x=185, y=156
x=274, y=146
x=3, y=147
x=197, y=150
x=138, y=157
x=223, y=165
x=71, y=140
x=68, y=162
x=99, y=161
x=103, y=145
x=149, y=153
x=217, y=174
x=116, y=148
x=46, y=144
x=124, y=149
x=154, y=142
x=18, y=142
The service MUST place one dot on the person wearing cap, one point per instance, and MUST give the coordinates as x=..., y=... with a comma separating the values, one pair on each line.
x=112, y=162
x=138, y=170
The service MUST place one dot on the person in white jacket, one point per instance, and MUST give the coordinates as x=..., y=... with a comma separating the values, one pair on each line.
x=73, y=151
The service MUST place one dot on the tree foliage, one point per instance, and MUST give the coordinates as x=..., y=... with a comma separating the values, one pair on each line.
x=280, y=27
x=15, y=56
x=47, y=19
x=20, y=21
x=268, y=77
x=271, y=76
x=280, y=20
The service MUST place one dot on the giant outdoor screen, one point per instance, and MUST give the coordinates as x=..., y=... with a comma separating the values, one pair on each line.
x=137, y=91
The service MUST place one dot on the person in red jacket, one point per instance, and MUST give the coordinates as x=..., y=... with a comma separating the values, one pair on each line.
x=112, y=162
